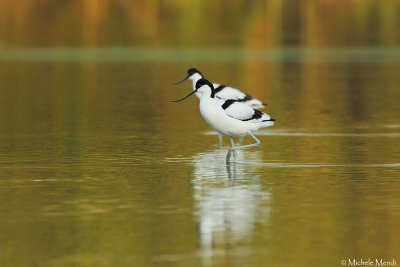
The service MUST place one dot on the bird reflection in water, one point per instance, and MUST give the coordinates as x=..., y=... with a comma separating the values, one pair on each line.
x=229, y=202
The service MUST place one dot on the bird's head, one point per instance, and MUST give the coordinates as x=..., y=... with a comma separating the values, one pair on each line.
x=202, y=87
x=193, y=74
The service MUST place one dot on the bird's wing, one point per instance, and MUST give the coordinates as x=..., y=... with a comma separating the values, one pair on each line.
x=239, y=110
x=227, y=92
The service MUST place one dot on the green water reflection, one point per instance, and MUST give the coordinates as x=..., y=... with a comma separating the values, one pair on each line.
x=99, y=168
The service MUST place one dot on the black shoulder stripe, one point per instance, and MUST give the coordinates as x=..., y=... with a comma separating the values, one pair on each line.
x=257, y=114
x=228, y=103
x=219, y=88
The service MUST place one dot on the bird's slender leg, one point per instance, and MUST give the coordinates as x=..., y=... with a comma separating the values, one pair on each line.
x=231, y=151
x=251, y=145
x=233, y=148
x=220, y=139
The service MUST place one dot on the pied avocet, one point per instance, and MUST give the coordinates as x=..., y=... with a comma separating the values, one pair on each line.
x=223, y=91
x=229, y=117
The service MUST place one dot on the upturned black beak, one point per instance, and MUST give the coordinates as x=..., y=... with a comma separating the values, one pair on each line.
x=184, y=97
x=184, y=79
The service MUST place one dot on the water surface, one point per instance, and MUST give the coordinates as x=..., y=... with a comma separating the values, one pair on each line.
x=97, y=167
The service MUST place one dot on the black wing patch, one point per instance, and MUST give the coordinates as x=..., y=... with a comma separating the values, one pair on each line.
x=257, y=114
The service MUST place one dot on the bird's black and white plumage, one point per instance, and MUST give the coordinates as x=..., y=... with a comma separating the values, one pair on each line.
x=241, y=111
x=224, y=91
x=228, y=117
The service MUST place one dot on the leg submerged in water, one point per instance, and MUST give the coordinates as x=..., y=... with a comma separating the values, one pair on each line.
x=257, y=143
x=233, y=149
x=228, y=155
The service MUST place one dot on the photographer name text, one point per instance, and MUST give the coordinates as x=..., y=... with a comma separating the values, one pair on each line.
x=369, y=262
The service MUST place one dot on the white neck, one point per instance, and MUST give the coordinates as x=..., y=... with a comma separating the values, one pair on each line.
x=195, y=77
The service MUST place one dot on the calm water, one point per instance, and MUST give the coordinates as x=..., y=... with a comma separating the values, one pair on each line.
x=98, y=168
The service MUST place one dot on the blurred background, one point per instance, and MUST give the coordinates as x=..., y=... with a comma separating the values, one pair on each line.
x=156, y=24
x=99, y=168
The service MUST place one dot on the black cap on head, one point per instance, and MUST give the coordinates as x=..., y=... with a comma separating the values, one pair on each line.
x=192, y=71
x=202, y=82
